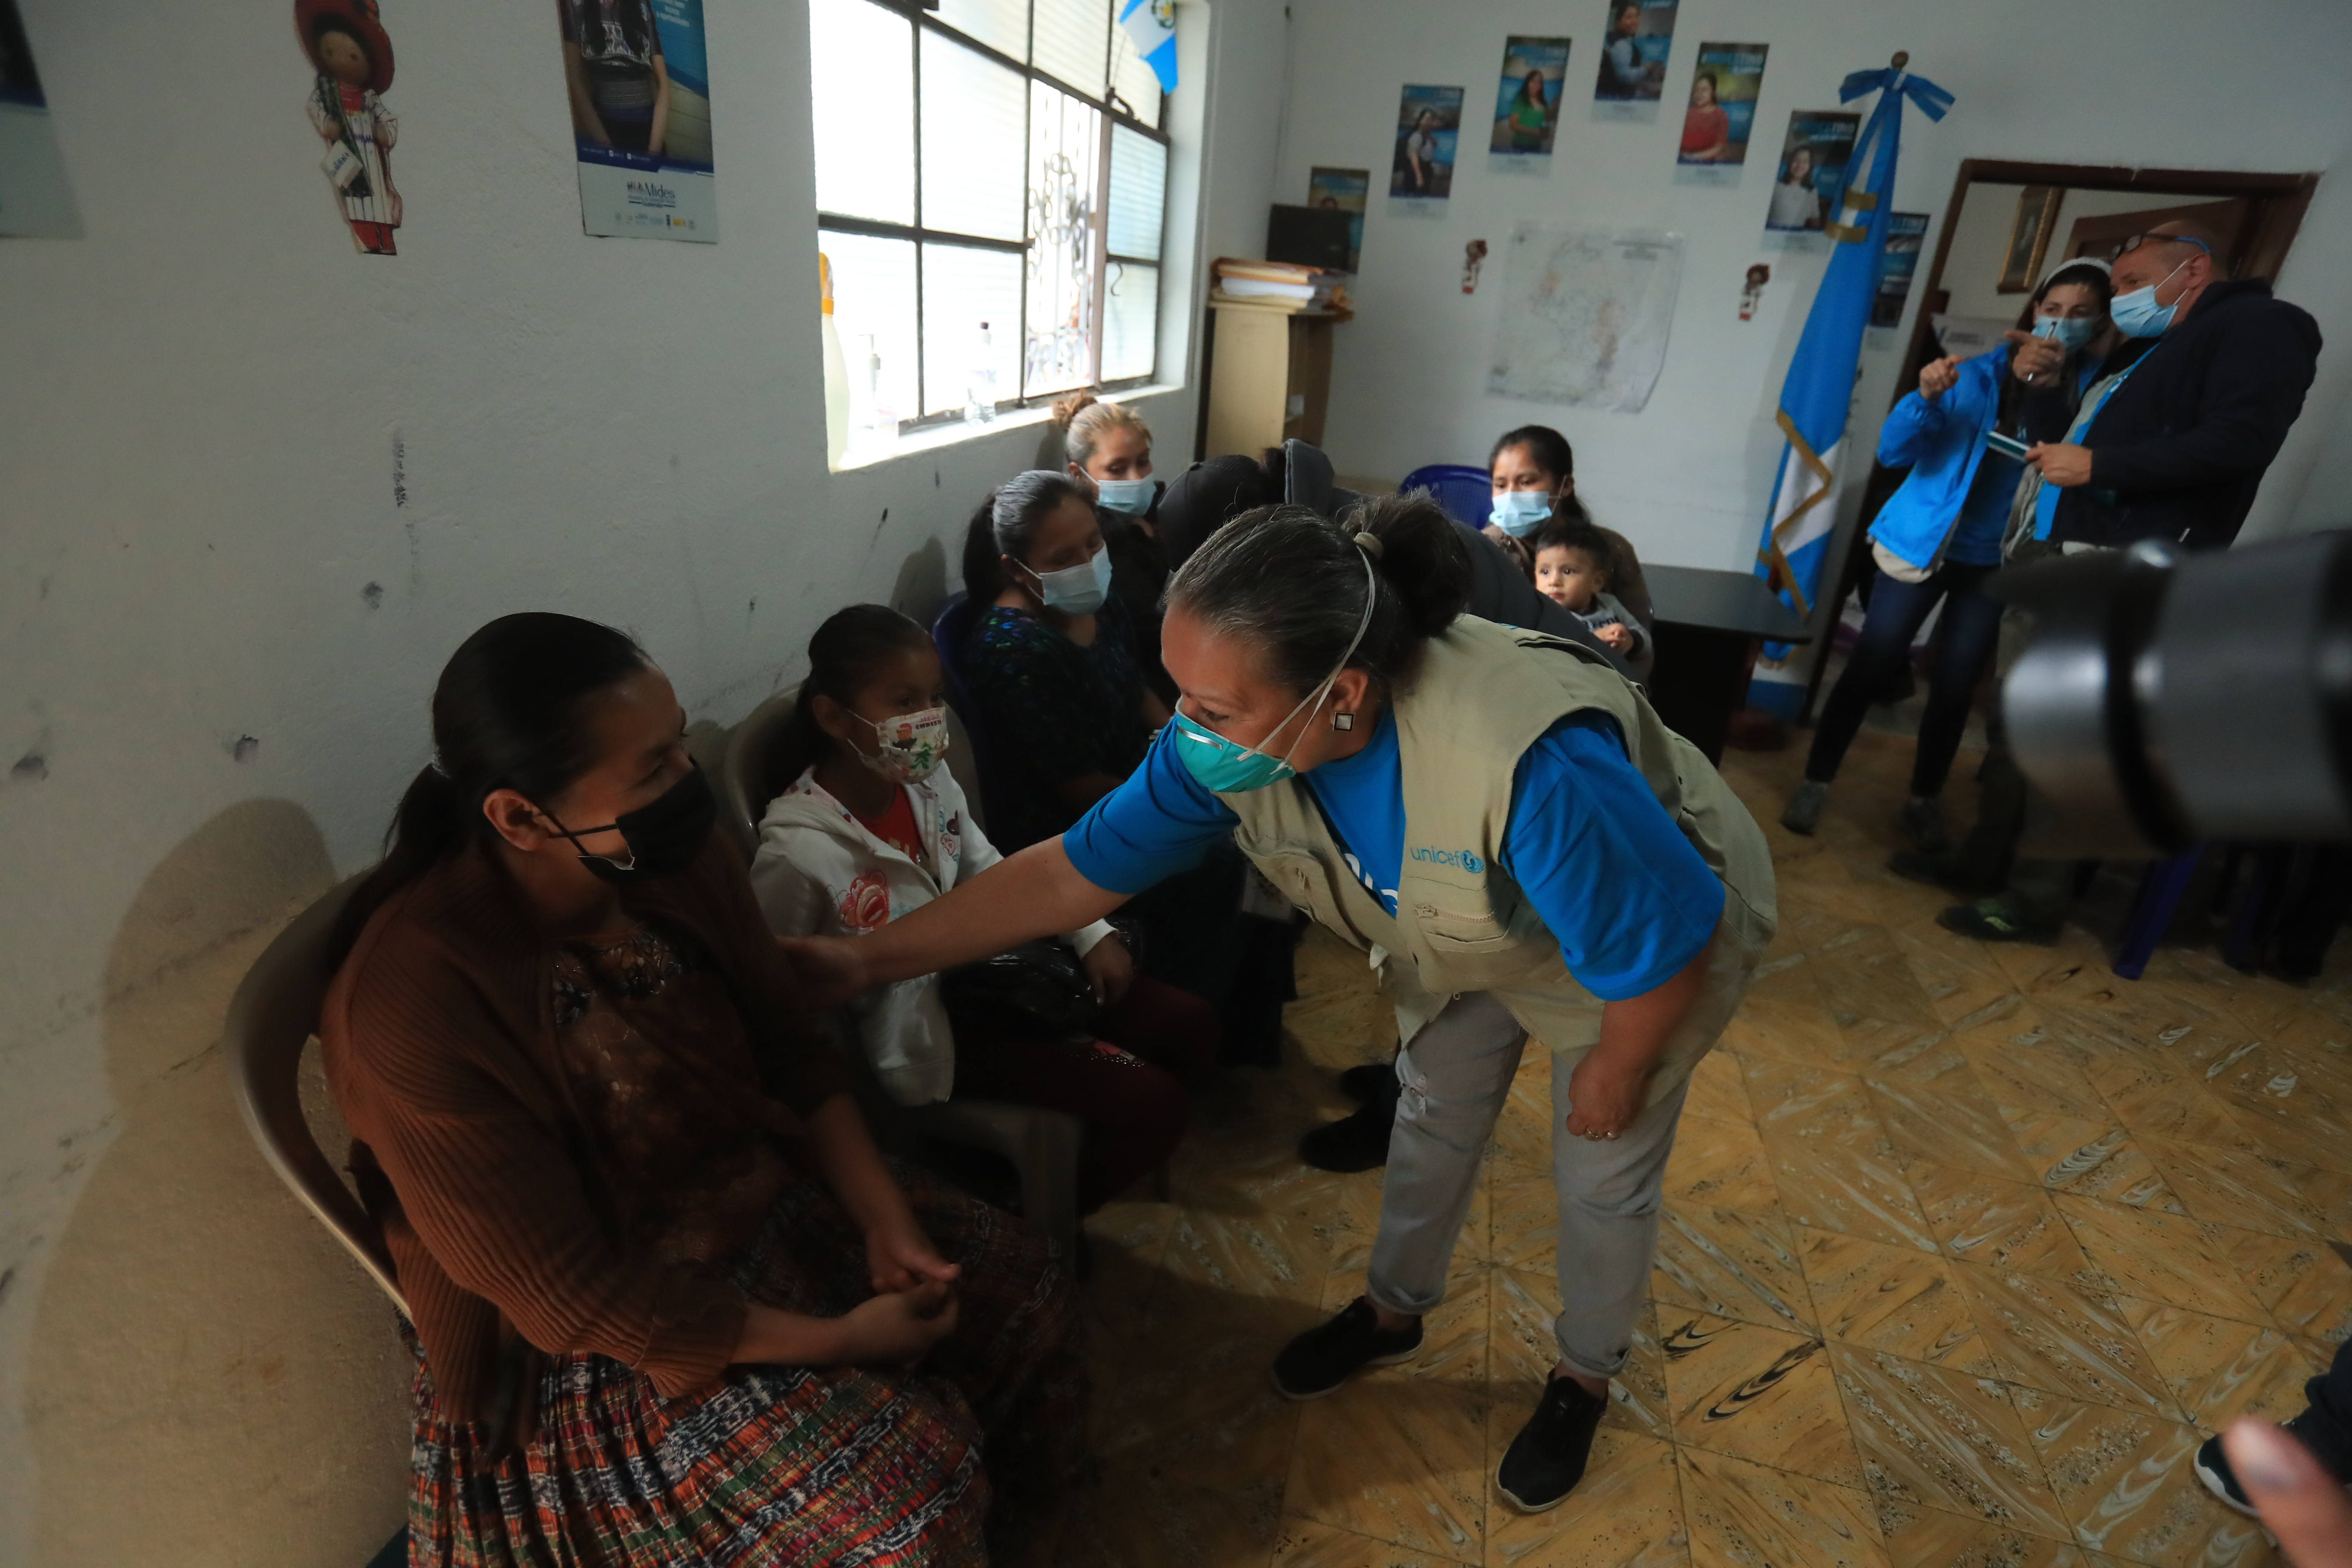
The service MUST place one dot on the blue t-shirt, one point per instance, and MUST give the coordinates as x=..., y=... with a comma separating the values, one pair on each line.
x=1626, y=896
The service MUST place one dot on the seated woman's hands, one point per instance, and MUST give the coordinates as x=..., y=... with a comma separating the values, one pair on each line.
x=897, y=1327
x=1112, y=969
x=900, y=1257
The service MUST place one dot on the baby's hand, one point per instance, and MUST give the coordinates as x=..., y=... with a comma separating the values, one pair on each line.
x=1615, y=635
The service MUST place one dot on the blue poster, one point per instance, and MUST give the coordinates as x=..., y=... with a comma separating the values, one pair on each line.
x=637, y=74
x=1633, y=48
x=1906, y=233
x=1526, y=99
x=1428, y=124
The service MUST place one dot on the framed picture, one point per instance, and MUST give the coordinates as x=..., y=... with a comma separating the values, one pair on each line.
x=2028, y=237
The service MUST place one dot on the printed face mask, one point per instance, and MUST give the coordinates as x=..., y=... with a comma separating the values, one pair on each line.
x=912, y=745
x=1227, y=767
x=1520, y=513
x=2137, y=315
x=1132, y=497
x=2069, y=333
x=1076, y=590
x=664, y=837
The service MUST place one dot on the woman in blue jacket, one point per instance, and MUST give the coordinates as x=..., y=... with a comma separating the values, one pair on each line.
x=1940, y=536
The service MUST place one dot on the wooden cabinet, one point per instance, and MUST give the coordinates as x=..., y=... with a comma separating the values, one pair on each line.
x=1269, y=377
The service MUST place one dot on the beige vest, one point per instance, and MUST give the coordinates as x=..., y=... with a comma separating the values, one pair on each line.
x=1485, y=694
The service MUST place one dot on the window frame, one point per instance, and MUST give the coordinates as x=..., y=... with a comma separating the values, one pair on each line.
x=1114, y=111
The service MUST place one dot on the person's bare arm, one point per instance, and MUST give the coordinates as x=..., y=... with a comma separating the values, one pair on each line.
x=661, y=106
x=585, y=121
x=1607, y=1085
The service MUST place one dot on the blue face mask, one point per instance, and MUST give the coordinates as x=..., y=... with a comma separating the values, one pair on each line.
x=1076, y=590
x=1227, y=767
x=2069, y=333
x=1132, y=497
x=2137, y=315
x=1519, y=512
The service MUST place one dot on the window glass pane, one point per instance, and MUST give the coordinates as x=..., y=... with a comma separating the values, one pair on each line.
x=1133, y=80
x=1073, y=42
x=962, y=290
x=1130, y=320
x=973, y=109
x=1002, y=25
x=1065, y=139
x=874, y=312
x=861, y=95
x=1139, y=189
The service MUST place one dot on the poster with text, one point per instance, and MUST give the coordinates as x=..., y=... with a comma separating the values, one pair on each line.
x=637, y=75
x=1526, y=100
x=1633, y=50
x=1429, y=127
x=1907, y=234
x=1345, y=191
x=1722, y=112
x=1811, y=170
x=34, y=197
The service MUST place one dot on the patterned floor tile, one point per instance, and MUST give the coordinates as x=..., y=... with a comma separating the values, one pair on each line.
x=2153, y=1101
x=2055, y=1336
x=1957, y=978
x=1720, y=1164
x=2006, y=1225
x=1832, y=1163
x=1627, y=1511
x=1891, y=1298
x=1756, y=1394
x=1930, y=1538
x=2165, y=1257
x=1945, y=1117
x=1193, y=1380
x=1744, y=1515
x=2123, y=1481
x=1933, y=1438
x=1280, y=1252
x=2237, y=1186
x=1732, y=1264
x=1401, y=1461
x=2217, y=1368
x=1143, y=1514
x=1717, y=1092
x=1303, y=1543
x=2089, y=1159
x=2301, y=1283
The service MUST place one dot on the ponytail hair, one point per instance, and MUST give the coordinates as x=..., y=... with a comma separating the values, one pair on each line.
x=1292, y=583
x=844, y=655
x=511, y=710
x=1005, y=523
x=1083, y=421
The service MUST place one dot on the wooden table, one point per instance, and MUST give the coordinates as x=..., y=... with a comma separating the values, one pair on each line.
x=1707, y=623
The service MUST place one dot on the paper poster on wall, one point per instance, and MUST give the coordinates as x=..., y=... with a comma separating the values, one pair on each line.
x=1526, y=104
x=1906, y=233
x=637, y=75
x=350, y=60
x=1811, y=170
x=1721, y=115
x=34, y=199
x=1585, y=316
x=1633, y=48
x=1428, y=128
x=1342, y=190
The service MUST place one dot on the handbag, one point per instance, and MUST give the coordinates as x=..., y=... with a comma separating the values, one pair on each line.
x=1036, y=988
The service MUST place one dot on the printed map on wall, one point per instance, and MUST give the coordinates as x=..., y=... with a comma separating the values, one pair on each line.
x=1585, y=315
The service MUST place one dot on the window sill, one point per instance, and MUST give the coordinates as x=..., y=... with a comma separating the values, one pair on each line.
x=932, y=438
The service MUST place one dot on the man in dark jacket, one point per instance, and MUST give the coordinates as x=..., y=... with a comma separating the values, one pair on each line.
x=2205, y=391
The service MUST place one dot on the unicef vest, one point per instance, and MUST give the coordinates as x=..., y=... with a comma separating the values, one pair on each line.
x=1483, y=695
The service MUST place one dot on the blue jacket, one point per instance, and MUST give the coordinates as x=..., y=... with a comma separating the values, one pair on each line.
x=1942, y=441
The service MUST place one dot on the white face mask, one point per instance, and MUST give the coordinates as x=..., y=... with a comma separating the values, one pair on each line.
x=1076, y=590
x=2137, y=315
x=1132, y=497
x=2069, y=333
x=1519, y=512
x=912, y=745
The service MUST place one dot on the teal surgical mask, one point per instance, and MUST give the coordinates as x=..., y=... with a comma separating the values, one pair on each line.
x=1519, y=512
x=1132, y=497
x=2069, y=333
x=1227, y=767
x=1076, y=590
x=2137, y=315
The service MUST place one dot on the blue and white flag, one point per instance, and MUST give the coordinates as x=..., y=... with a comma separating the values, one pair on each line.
x=1151, y=26
x=1819, y=386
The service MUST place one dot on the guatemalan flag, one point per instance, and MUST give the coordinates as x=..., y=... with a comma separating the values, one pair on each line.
x=1813, y=399
x=1151, y=26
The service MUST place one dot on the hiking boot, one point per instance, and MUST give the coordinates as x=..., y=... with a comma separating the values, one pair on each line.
x=1318, y=1361
x=1921, y=821
x=1804, y=808
x=1991, y=920
x=1546, y=1458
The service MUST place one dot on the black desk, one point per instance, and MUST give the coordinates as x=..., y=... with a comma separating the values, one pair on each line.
x=1706, y=621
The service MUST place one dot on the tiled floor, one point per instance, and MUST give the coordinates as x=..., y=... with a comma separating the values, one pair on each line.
x=1964, y=1249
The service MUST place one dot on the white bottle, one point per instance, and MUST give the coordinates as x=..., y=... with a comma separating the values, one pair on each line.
x=836, y=373
x=980, y=391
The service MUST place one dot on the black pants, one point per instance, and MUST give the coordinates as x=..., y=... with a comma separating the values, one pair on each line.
x=1898, y=610
x=2326, y=1428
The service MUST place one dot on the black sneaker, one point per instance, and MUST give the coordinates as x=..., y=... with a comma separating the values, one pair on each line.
x=1991, y=920
x=2212, y=1466
x=1368, y=1082
x=1318, y=1361
x=1546, y=1458
x=1357, y=1142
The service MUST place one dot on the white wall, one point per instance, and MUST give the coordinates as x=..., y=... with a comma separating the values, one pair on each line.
x=218, y=630
x=1688, y=477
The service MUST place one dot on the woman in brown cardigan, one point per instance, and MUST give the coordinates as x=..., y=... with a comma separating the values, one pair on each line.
x=668, y=1302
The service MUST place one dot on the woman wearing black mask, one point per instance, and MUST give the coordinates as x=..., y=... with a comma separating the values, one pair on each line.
x=630, y=1206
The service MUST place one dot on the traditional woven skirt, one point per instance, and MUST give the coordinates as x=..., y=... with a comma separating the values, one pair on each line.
x=784, y=1465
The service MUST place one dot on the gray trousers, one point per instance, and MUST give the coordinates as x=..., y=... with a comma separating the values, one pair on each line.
x=1456, y=1075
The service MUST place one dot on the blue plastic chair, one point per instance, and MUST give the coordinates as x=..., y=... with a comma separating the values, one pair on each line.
x=1466, y=493
x=949, y=628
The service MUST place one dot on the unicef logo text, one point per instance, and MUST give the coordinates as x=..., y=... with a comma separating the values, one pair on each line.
x=1467, y=859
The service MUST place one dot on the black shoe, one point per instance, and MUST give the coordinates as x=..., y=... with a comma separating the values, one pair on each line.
x=1318, y=1361
x=1546, y=1458
x=2212, y=1467
x=1991, y=920
x=1368, y=1082
x=1359, y=1141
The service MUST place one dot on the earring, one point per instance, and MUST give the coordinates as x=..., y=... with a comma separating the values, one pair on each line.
x=1343, y=720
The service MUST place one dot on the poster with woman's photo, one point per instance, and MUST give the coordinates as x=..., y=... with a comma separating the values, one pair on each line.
x=1429, y=127
x=1811, y=170
x=1721, y=114
x=1527, y=102
x=638, y=76
x=1636, y=37
x=1342, y=190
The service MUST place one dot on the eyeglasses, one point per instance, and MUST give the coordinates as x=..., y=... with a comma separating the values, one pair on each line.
x=2152, y=237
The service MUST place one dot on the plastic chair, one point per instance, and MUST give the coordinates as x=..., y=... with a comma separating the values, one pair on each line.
x=744, y=780
x=271, y=1018
x=1466, y=493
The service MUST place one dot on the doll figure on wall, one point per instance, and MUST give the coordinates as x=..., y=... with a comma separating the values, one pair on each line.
x=348, y=47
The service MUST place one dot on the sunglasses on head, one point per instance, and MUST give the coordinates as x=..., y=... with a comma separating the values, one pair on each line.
x=2151, y=237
